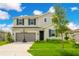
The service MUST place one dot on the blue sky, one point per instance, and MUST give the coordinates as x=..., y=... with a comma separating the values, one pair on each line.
x=8, y=11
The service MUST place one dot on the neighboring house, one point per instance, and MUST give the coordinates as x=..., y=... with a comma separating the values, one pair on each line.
x=32, y=28
x=75, y=35
x=2, y=35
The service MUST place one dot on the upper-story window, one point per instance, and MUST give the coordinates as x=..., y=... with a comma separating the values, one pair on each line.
x=32, y=22
x=45, y=19
x=20, y=21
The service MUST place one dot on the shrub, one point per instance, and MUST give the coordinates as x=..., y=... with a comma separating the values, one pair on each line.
x=47, y=40
x=66, y=38
x=76, y=45
x=9, y=37
x=67, y=53
x=37, y=40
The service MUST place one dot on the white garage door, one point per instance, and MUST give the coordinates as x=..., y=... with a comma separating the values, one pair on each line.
x=19, y=37
x=76, y=37
x=28, y=37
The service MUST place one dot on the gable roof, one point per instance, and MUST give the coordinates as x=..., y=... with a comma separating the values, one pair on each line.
x=34, y=16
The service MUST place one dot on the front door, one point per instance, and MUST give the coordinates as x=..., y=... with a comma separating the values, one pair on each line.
x=41, y=35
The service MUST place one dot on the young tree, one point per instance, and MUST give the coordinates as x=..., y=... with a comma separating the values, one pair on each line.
x=9, y=37
x=60, y=22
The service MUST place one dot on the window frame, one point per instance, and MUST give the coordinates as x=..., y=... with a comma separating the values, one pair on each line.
x=51, y=33
x=45, y=19
x=32, y=21
x=20, y=21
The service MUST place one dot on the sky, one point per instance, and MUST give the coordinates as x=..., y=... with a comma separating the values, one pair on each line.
x=8, y=11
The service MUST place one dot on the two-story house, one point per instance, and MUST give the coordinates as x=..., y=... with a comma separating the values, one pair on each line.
x=31, y=28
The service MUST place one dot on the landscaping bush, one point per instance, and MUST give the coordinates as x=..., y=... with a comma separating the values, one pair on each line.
x=69, y=52
x=47, y=40
x=37, y=41
x=9, y=37
x=66, y=38
x=76, y=45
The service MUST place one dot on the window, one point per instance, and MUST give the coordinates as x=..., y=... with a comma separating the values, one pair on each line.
x=32, y=22
x=51, y=33
x=45, y=20
x=20, y=21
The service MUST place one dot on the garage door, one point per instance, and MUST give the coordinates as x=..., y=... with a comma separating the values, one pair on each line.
x=76, y=37
x=28, y=37
x=19, y=37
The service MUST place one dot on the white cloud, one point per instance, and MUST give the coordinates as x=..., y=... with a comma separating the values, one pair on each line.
x=74, y=8
x=10, y=25
x=11, y=6
x=4, y=15
x=73, y=26
x=23, y=15
x=2, y=25
x=5, y=27
x=37, y=12
x=51, y=9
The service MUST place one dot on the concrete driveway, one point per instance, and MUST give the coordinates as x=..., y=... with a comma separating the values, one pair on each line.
x=15, y=49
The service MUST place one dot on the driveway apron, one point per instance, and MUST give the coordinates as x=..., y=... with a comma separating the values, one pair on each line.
x=15, y=49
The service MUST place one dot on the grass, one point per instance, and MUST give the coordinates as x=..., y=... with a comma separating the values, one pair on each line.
x=54, y=48
x=3, y=42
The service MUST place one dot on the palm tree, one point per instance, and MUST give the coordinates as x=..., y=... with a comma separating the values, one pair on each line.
x=60, y=22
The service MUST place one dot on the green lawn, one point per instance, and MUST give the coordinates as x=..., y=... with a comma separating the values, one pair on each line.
x=54, y=48
x=3, y=42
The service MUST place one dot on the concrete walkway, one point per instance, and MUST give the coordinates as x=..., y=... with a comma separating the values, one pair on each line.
x=15, y=49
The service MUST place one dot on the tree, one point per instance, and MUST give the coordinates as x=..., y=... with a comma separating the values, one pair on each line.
x=9, y=37
x=60, y=22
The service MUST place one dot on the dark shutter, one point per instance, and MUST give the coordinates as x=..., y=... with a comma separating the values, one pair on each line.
x=23, y=22
x=17, y=21
x=28, y=21
x=34, y=21
x=49, y=32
